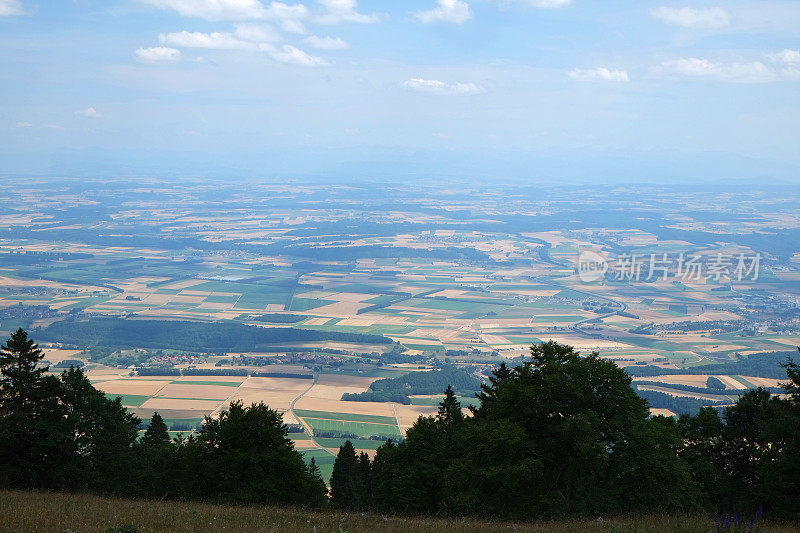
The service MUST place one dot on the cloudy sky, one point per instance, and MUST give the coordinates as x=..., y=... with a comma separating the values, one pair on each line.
x=596, y=90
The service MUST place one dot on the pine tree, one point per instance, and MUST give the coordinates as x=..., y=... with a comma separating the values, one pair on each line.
x=345, y=479
x=364, y=492
x=449, y=408
x=488, y=393
x=313, y=469
x=318, y=489
x=33, y=431
x=19, y=358
x=156, y=435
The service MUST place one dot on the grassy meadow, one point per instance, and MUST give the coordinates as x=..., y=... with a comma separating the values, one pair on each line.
x=32, y=511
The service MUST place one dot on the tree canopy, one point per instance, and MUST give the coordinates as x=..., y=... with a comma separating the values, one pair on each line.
x=559, y=435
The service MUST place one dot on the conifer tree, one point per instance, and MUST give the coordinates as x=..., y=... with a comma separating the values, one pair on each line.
x=449, y=408
x=313, y=469
x=32, y=420
x=345, y=479
x=156, y=435
x=19, y=358
x=364, y=492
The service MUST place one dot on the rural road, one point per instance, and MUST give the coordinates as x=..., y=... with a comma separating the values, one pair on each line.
x=575, y=326
x=302, y=422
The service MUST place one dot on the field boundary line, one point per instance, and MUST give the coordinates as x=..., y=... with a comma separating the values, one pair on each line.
x=303, y=423
x=396, y=419
x=227, y=400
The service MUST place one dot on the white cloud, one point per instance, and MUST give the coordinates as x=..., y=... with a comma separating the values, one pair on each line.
x=11, y=8
x=213, y=9
x=788, y=57
x=338, y=11
x=259, y=33
x=687, y=17
x=548, y=4
x=211, y=41
x=158, y=54
x=742, y=72
x=232, y=9
x=326, y=43
x=253, y=38
x=23, y=125
x=90, y=112
x=295, y=56
x=281, y=11
x=293, y=26
x=599, y=74
x=454, y=11
x=440, y=87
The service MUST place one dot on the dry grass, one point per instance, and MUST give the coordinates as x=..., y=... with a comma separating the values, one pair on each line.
x=30, y=511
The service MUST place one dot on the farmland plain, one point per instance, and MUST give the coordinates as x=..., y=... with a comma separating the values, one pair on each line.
x=435, y=276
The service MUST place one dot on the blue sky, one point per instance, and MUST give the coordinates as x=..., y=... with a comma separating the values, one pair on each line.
x=541, y=90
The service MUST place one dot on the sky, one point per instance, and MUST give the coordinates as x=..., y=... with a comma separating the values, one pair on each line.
x=536, y=90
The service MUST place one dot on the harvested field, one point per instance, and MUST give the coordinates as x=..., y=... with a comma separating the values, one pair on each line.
x=408, y=414
x=694, y=380
x=367, y=408
x=207, y=392
x=145, y=387
x=332, y=386
x=278, y=393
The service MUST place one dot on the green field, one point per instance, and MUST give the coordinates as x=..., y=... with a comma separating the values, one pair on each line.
x=306, y=304
x=360, y=429
x=348, y=417
x=129, y=400
x=221, y=299
x=323, y=459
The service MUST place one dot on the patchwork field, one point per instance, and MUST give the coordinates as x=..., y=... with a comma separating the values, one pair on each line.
x=351, y=284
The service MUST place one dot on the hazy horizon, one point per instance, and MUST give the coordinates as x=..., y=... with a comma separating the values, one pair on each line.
x=540, y=90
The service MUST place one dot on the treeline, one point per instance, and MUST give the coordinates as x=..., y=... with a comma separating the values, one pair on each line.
x=293, y=375
x=387, y=303
x=279, y=318
x=676, y=404
x=335, y=434
x=397, y=355
x=36, y=258
x=158, y=371
x=60, y=433
x=186, y=335
x=399, y=389
x=214, y=372
x=762, y=365
x=558, y=435
x=353, y=253
x=144, y=237
x=567, y=435
x=115, y=357
x=700, y=390
x=172, y=371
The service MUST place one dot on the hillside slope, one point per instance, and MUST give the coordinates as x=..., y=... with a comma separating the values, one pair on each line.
x=32, y=511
